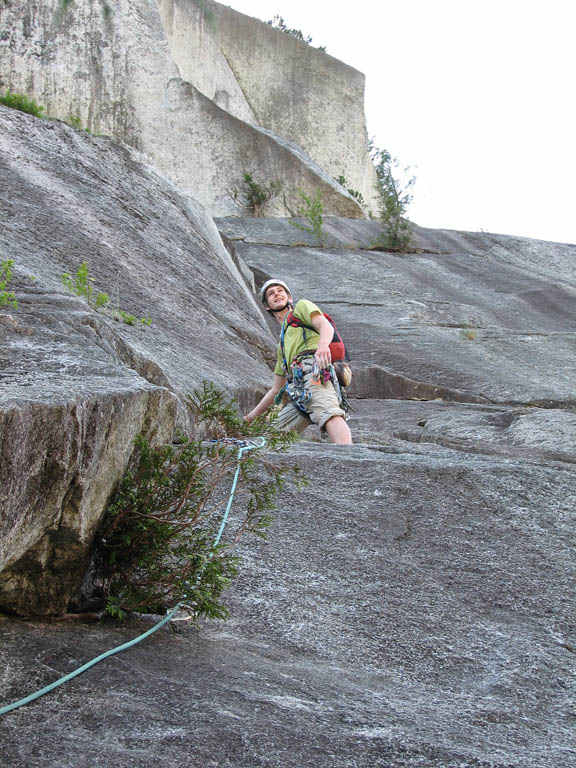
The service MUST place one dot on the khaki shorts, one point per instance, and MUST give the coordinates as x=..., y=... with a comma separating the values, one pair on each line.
x=321, y=407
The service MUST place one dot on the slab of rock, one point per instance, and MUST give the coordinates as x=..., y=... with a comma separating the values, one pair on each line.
x=206, y=92
x=73, y=198
x=78, y=385
x=345, y=234
x=534, y=433
x=469, y=317
x=59, y=463
x=411, y=608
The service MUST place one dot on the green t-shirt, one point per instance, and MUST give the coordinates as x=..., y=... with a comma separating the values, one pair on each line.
x=294, y=341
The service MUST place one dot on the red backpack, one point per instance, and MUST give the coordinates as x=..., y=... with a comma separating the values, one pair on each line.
x=337, y=346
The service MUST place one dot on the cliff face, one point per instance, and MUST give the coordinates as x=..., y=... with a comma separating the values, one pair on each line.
x=205, y=92
x=483, y=322
x=412, y=605
x=470, y=317
x=76, y=384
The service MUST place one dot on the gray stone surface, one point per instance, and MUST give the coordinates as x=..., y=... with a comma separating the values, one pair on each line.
x=301, y=93
x=204, y=91
x=59, y=463
x=414, y=607
x=71, y=197
x=469, y=317
x=346, y=234
x=537, y=433
x=76, y=385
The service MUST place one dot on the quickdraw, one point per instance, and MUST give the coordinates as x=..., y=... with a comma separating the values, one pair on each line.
x=296, y=390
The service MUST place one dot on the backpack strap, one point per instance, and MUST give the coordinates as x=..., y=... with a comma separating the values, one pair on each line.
x=282, y=333
x=339, y=349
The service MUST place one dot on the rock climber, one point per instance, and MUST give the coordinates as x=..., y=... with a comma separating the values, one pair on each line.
x=302, y=366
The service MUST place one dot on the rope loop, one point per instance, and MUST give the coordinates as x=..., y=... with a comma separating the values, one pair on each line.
x=242, y=445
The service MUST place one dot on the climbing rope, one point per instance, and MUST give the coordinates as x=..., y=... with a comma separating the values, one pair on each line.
x=241, y=445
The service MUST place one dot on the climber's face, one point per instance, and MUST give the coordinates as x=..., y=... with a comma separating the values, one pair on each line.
x=277, y=297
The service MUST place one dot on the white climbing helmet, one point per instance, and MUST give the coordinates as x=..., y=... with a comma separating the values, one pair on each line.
x=269, y=283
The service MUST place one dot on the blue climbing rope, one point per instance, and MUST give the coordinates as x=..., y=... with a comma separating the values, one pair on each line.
x=242, y=445
x=66, y=678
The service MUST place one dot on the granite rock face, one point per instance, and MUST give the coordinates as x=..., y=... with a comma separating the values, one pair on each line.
x=412, y=608
x=469, y=317
x=536, y=433
x=205, y=92
x=77, y=385
x=59, y=464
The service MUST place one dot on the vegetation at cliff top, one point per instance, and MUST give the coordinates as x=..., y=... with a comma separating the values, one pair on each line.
x=22, y=103
x=278, y=23
x=159, y=543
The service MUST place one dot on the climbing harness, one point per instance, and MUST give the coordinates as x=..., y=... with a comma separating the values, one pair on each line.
x=340, y=365
x=171, y=614
x=331, y=374
x=295, y=387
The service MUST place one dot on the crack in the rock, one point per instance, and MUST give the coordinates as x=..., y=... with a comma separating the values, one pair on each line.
x=376, y=383
x=483, y=449
x=143, y=366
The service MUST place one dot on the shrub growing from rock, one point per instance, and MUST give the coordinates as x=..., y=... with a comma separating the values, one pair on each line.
x=22, y=103
x=7, y=298
x=253, y=195
x=311, y=209
x=158, y=544
x=395, y=198
x=343, y=181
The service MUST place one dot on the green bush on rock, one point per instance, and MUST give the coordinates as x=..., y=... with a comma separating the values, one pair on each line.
x=395, y=198
x=7, y=298
x=157, y=545
x=312, y=209
x=343, y=181
x=22, y=103
x=253, y=195
x=81, y=285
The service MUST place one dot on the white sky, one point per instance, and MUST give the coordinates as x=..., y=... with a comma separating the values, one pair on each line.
x=476, y=96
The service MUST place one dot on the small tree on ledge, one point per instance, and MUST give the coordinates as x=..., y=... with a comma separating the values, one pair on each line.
x=395, y=198
x=254, y=196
